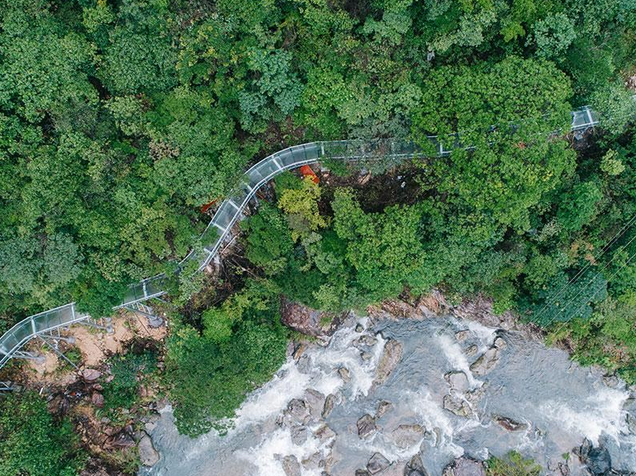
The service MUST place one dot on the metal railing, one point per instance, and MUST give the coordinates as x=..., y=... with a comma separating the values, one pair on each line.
x=25, y=330
x=231, y=210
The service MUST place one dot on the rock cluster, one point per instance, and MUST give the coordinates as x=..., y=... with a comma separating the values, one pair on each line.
x=309, y=321
x=304, y=417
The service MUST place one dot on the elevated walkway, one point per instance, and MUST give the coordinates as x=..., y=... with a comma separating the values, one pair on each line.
x=231, y=210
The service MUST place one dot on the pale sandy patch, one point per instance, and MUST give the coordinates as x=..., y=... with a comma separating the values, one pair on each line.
x=96, y=345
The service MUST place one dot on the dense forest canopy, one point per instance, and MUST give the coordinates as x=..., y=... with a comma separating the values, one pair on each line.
x=119, y=118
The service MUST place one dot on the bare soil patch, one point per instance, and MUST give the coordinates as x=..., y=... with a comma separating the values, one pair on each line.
x=95, y=346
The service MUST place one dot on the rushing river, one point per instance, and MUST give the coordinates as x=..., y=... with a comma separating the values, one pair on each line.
x=529, y=397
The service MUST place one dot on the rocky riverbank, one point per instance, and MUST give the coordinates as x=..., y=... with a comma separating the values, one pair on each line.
x=407, y=391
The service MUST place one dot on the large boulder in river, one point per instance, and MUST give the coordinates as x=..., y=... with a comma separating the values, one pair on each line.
x=383, y=408
x=308, y=321
x=297, y=413
x=405, y=436
x=365, y=341
x=315, y=401
x=299, y=434
x=457, y=405
x=631, y=423
x=597, y=459
x=377, y=463
x=366, y=426
x=458, y=381
x=325, y=433
x=345, y=374
x=291, y=466
x=486, y=362
x=465, y=467
x=147, y=453
x=415, y=467
x=327, y=408
x=391, y=356
x=509, y=424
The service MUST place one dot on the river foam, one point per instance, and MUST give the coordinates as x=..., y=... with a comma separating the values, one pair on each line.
x=591, y=417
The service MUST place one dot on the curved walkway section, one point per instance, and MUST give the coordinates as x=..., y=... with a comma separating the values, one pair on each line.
x=231, y=210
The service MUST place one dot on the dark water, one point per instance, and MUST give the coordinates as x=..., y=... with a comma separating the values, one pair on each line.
x=556, y=402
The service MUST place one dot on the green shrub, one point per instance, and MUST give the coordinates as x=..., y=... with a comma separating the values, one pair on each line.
x=33, y=443
x=123, y=390
x=512, y=464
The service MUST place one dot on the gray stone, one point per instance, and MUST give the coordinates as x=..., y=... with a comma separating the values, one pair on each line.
x=472, y=350
x=313, y=461
x=377, y=463
x=327, y=463
x=509, y=424
x=415, y=467
x=365, y=340
x=461, y=336
x=500, y=343
x=344, y=373
x=327, y=408
x=475, y=395
x=611, y=381
x=457, y=406
x=597, y=459
x=299, y=434
x=151, y=424
x=90, y=375
x=291, y=466
x=406, y=436
x=296, y=413
x=359, y=328
x=458, y=381
x=325, y=433
x=366, y=426
x=97, y=399
x=383, y=407
x=486, y=362
x=366, y=356
x=315, y=401
x=313, y=396
x=147, y=453
x=391, y=356
x=631, y=423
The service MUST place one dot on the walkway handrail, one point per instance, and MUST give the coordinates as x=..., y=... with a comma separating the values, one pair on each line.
x=230, y=211
x=40, y=323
